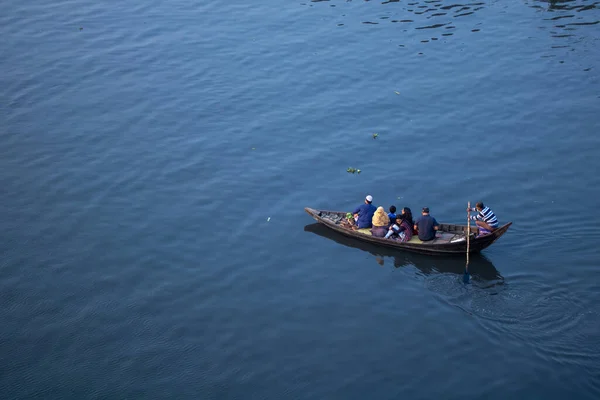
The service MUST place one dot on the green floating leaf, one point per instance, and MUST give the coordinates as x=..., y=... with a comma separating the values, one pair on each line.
x=375, y=135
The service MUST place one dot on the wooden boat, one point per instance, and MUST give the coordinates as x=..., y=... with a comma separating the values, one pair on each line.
x=450, y=238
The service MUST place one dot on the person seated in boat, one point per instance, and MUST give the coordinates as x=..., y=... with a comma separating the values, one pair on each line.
x=380, y=223
x=392, y=214
x=426, y=225
x=363, y=214
x=485, y=219
x=406, y=211
x=402, y=230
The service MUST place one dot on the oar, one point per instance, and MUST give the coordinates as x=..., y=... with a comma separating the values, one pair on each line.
x=466, y=274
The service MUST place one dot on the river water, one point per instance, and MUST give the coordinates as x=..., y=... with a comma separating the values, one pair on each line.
x=156, y=158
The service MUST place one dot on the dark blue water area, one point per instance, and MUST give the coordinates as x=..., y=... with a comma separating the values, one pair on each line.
x=156, y=159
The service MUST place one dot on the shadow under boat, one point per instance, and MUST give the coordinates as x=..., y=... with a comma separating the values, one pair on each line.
x=479, y=265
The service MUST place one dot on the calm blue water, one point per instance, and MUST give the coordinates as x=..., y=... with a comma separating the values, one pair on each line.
x=156, y=157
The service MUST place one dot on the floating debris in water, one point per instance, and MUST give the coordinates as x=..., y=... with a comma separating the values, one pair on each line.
x=353, y=170
x=254, y=148
x=395, y=91
x=375, y=135
x=268, y=219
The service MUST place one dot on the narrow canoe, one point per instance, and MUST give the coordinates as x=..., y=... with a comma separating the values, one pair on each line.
x=450, y=238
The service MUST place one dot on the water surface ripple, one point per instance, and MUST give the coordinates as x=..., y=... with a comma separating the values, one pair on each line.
x=155, y=160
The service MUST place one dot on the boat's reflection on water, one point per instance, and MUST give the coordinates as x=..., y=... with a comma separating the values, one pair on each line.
x=479, y=266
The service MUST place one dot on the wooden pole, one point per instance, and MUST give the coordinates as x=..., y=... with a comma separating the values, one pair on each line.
x=468, y=230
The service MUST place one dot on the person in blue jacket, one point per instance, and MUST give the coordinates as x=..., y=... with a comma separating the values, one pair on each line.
x=426, y=225
x=363, y=214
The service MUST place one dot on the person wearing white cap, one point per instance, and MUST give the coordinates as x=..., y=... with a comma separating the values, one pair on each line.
x=363, y=214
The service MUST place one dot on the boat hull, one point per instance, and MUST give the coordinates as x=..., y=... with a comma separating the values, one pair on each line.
x=437, y=246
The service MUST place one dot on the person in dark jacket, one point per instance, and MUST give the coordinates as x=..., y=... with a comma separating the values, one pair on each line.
x=363, y=214
x=426, y=225
x=402, y=230
x=408, y=216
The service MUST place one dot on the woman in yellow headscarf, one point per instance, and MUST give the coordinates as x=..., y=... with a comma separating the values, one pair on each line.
x=380, y=222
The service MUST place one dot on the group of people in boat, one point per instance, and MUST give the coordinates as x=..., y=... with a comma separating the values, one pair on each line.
x=402, y=227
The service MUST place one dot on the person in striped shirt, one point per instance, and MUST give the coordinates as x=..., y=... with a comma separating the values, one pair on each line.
x=485, y=218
